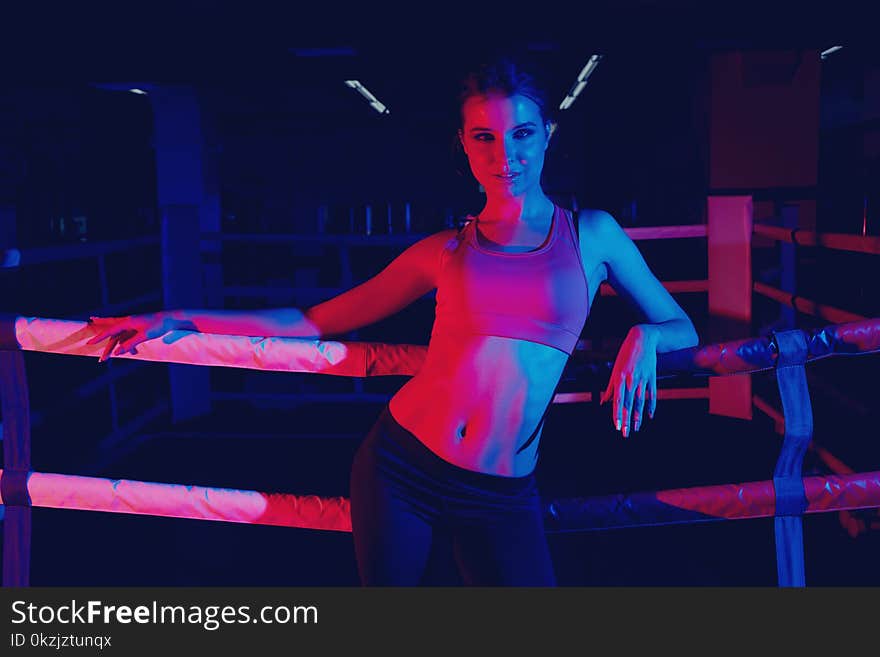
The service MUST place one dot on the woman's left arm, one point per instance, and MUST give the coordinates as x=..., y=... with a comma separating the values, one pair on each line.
x=667, y=327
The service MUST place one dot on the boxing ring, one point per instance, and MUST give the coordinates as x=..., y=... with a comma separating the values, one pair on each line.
x=786, y=496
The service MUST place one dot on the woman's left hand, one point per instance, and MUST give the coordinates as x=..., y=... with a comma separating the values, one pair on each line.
x=633, y=380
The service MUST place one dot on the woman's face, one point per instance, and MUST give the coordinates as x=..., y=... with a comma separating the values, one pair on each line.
x=504, y=138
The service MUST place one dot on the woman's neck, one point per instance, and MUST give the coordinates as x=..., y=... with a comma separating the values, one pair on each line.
x=515, y=209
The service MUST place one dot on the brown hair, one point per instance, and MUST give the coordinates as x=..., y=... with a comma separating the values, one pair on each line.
x=507, y=75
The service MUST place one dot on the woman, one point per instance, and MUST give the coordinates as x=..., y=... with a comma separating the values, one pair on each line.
x=457, y=445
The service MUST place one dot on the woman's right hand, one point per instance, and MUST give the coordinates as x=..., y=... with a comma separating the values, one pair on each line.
x=123, y=334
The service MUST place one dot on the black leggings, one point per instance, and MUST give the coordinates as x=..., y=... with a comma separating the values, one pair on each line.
x=401, y=492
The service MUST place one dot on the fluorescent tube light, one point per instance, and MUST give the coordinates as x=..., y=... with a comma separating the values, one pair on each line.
x=371, y=99
x=824, y=54
x=580, y=82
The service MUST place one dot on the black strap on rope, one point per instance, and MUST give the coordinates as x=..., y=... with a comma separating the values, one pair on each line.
x=791, y=499
x=13, y=488
x=7, y=333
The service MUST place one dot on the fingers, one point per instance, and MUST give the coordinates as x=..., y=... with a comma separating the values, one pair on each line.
x=119, y=342
x=106, y=353
x=100, y=337
x=106, y=327
x=638, y=405
x=617, y=389
x=128, y=340
x=620, y=413
x=629, y=389
x=112, y=337
x=632, y=399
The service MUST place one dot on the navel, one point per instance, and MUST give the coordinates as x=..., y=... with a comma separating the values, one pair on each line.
x=459, y=435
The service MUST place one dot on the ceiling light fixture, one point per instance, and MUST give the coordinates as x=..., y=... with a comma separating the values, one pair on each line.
x=375, y=103
x=824, y=54
x=580, y=82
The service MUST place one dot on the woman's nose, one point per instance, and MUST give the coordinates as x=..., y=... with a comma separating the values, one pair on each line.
x=506, y=152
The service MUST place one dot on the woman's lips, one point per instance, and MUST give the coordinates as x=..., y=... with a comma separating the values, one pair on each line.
x=507, y=177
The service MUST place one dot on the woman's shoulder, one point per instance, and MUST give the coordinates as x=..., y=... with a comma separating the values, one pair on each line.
x=597, y=226
x=595, y=221
x=439, y=242
x=425, y=254
x=599, y=234
x=445, y=236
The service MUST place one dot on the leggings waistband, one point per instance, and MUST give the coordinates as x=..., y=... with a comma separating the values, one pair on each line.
x=417, y=453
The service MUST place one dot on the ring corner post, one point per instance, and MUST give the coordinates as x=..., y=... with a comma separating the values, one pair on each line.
x=185, y=205
x=16, y=466
x=729, y=237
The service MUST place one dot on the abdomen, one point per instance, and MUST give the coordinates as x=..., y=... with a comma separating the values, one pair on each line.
x=478, y=398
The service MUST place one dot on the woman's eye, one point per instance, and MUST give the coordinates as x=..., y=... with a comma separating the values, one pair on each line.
x=522, y=133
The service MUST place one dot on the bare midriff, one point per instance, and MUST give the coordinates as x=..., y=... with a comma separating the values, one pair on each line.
x=478, y=398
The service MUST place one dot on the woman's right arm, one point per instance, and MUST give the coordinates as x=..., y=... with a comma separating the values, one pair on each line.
x=409, y=276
